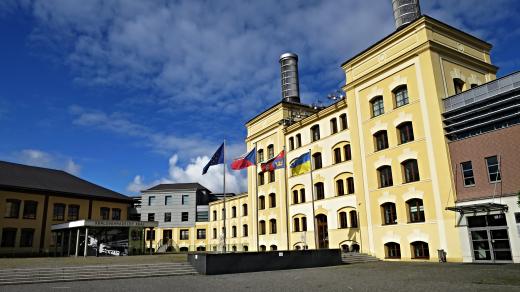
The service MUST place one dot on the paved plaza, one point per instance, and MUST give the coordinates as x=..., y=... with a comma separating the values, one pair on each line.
x=380, y=276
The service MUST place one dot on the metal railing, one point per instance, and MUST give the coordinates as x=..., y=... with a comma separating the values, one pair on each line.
x=482, y=92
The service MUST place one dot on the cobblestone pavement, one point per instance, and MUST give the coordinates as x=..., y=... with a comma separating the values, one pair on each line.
x=381, y=276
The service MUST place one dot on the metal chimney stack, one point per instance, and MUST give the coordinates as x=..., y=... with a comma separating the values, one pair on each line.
x=405, y=11
x=290, y=83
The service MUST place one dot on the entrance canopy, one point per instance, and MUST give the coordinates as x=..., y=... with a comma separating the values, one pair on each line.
x=475, y=208
x=104, y=223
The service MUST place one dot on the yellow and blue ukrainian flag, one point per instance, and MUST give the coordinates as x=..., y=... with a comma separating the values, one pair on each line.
x=302, y=164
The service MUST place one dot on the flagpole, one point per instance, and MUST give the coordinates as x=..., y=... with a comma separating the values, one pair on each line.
x=287, y=219
x=224, y=187
x=312, y=200
x=256, y=202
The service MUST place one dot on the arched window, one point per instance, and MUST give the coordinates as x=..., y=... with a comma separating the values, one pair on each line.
x=244, y=230
x=333, y=126
x=214, y=233
x=261, y=202
x=458, y=84
x=347, y=152
x=272, y=176
x=261, y=227
x=295, y=196
x=350, y=185
x=316, y=159
x=244, y=209
x=234, y=248
x=270, y=151
x=343, y=120
x=401, y=95
x=233, y=212
x=343, y=219
x=389, y=213
x=392, y=250
x=415, y=210
x=385, y=176
x=420, y=250
x=296, y=224
x=260, y=155
x=272, y=200
x=315, y=133
x=319, y=189
x=273, y=247
x=377, y=106
x=337, y=155
x=263, y=248
x=272, y=226
x=261, y=180
x=380, y=140
x=302, y=196
x=353, y=219
x=233, y=231
x=291, y=143
x=339, y=187
x=304, y=223
x=214, y=215
x=298, y=140
x=410, y=170
x=405, y=132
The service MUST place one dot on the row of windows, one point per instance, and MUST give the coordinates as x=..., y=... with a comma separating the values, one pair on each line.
x=415, y=210
x=300, y=222
x=410, y=172
x=419, y=250
x=272, y=227
x=298, y=195
x=12, y=209
x=400, y=98
x=271, y=177
x=493, y=170
x=296, y=141
x=168, y=216
x=260, y=153
x=272, y=201
x=233, y=212
x=233, y=231
x=9, y=237
x=340, y=154
x=405, y=135
x=168, y=200
x=272, y=247
x=184, y=234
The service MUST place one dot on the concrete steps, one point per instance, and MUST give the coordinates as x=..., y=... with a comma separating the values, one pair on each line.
x=79, y=273
x=355, y=258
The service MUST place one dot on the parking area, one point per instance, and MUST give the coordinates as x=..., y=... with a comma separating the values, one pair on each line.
x=379, y=276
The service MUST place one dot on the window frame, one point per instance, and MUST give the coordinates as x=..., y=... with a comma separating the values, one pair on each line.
x=317, y=161
x=101, y=213
x=405, y=130
x=70, y=208
x=385, y=176
x=315, y=133
x=185, y=216
x=410, y=169
x=415, y=216
x=55, y=208
x=343, y=221
x=333, y=126
x=167, y=216
x=401, y=97
x=340, y=187
x=497, y=174
x=425, y=251
x=389, y=212
x=272, y=200
x=377, y=106
x=27, y=207
x=319, y=189
x=343, y=121
x=463, y=171
x=381, y=140
x=9, y=204
x=391, y=248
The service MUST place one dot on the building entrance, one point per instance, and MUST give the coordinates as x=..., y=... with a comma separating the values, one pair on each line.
x=489, y=238
x=323, y=233
x=167, y=235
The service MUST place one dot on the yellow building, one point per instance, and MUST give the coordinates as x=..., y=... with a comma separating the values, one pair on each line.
x=34, y=199
x=381, y=177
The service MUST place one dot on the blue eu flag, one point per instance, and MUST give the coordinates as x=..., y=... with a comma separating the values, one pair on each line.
x=217, y=158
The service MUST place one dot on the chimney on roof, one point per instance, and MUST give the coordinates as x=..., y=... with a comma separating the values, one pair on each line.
x=290, y=83
x=405, y=11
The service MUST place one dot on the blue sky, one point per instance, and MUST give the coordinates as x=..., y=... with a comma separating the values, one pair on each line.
x=128, y=94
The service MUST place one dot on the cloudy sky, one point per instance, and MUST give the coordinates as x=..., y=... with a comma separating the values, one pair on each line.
x=131, y=93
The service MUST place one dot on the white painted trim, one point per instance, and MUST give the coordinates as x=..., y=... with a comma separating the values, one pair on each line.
x=378, y=127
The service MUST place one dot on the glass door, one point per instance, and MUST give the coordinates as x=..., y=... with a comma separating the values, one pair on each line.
x=481, y=248
x=500, y=245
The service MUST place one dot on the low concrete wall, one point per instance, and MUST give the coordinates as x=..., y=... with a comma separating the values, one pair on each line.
x=227, y=263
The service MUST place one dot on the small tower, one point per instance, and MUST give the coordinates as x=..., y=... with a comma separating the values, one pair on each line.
x=405, y=11
x=289, y=72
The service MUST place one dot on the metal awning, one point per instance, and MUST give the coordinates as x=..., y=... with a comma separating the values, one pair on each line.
x=104, y=223
x=475, y=208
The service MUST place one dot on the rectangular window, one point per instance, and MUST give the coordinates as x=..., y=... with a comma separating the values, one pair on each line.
x=8, y=237
x=167, y=200
x=260, y=155
x=116, y=214
x=151, y=216
x=381, y=140
x=73, y=213
x=244, y=210
x=214, y=233
x=201, y=233
x=320, y=191
x=270, y=151
x=26, y=238
x=377, y=106
x=58, y=212
x=333, y=126
x=29, y=209
x=350, y=185
x=12, y=208
x=105, y=213
x=344, y=123
x=337, y=155
x=315, y=133
x=185, y=199
x=339, y=187
x=151, y=200
x=271, y=176
x=291, y=143
x=348, y=153
x=168, y=217
x=493, y=169
x=244, y=230
x=260, y=178
x=304, y=223
x=202, y=216
x=150, y=234
x=184, y=216
x=467, y=173
x=184, y=234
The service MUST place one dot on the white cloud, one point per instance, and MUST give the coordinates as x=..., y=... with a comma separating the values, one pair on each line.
x=44, y=159
x=192, y=172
